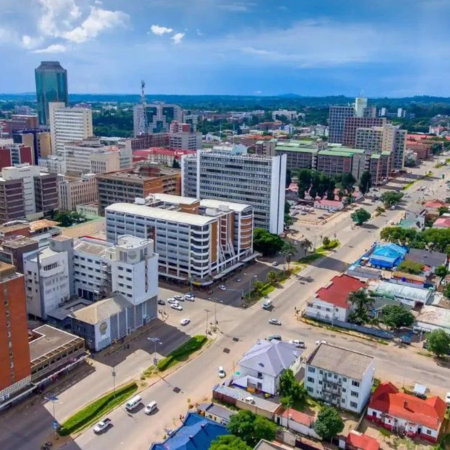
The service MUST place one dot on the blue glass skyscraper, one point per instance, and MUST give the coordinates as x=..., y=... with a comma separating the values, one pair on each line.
x=51, y=86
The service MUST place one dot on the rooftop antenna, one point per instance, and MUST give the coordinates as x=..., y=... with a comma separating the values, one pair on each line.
x=143, y=124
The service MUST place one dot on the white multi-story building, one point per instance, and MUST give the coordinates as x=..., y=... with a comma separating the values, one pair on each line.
x=53, y=164
x=159, y=117
x=76, y=191
x=68, y=125
x=46, y=280
x=185, y=140
x=253, y=180
x=290, y=115
x=197, y=241
x=340, y=377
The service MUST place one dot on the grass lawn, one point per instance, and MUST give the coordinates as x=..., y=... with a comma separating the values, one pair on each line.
x=95, y=410
x=308, y=404
x=183, y=352
x=319, y=253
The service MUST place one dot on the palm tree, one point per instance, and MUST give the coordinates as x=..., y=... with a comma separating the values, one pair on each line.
x=361, y=302
x=272, y=277
x=289, y=250
x=286, y=403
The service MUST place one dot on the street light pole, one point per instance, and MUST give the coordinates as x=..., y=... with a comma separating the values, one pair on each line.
x=207, y=311
x=113, y=373
x=155, y=341
x=53, y=399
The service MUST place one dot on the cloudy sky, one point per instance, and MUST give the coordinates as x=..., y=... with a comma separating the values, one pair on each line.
x=308, y=47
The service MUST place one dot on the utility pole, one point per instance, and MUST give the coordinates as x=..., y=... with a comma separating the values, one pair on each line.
x=113, y=373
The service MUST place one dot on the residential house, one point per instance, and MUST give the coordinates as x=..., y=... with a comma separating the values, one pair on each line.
x=358, y=441
x=408, y=295
x=297, y=421
x=442, y=223
x=196, y=432
x=215, y=412
x=428, y=258
x=329, y=205
x=266, y=445
x=387, y=256
x=331, y=302
x=432, y=207
x=413, y=220
x=433, y=318
x=340, y=377
x=261, y=367
x=406, y=414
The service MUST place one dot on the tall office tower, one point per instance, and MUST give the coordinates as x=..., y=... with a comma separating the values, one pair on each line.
x=351, y=124
x=336, y=122
x=68, y=125
x=254, y=180
x=51, y=86
x=15, y=362
x=360, y=106
x=159, y=117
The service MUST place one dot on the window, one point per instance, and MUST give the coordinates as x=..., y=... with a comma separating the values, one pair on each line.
x=344, y=379
x=355, y=383
x=428, y=431
x=353, y=405
x=310, y=389
x=344, y=390
x=342, y=400
x=310, y=380
x=354, y=394
x=311, y=369
x=320, y=382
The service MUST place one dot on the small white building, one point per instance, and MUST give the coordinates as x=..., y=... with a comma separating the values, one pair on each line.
x=433, y=318
x=46, y=280
x=261, y=367
x=340, y=377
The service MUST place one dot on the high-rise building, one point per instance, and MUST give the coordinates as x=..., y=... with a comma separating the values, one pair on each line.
x=77, y=191
x=159, y=117
x=258, y=181
x=351, y=124
x=38, y=140
x=15, y=365
x=336, y=122
x=51, y=86
x=197, y=241
x=68, y=125
x=14, y=154
x=360, y=106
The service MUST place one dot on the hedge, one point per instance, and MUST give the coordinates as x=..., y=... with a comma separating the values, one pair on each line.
x=182, y=352
x=95, y=410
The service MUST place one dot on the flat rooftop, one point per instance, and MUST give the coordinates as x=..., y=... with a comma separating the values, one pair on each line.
x=64, y=311
x=435, y=315
x=340, y=360
x=50, y=339
x=131, y=176
x=38, y=225
x=159, y=213
x=95, y=248
x=175, y=199
x=19, y=242
x=209, y=203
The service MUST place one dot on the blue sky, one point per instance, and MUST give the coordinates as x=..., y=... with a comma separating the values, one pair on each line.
x=268, y=47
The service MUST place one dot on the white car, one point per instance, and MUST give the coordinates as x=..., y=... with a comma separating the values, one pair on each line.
x=178, y=297
x=184, y=321
x=320, y=342
x=102, y=426
x=172, y=301
x=275, y=264
x=222, y=287
x=297, y=343
x=189, y=296
x=447, y=398
x=177, y=307
x=222, y=373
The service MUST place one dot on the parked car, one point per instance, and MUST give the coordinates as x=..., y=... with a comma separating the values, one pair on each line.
x=152, y=406
x=189, y=299
x=184, y=321
x=274, y=322
x=172, y=301
x=238, y=279
x=250, y=400
x=189, y=296
x=102, y=426
x=297, y=343
x=178, y=297
x=275, y=264
x=276, y=337
x=177, y=306
x=222, y=373
x=222, y=287
x=161, y=302
x=320, y=342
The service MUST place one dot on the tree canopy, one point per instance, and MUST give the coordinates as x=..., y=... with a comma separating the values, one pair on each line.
x=251, y=428
x=360, y=216
x=397, y=316
x=266, y=243
x=329, y=423
x=291, y=388
x=365, y=182
x=229, y=442
x=438, y=342
x=411, y=267
x=361, y=303
x=391, y=198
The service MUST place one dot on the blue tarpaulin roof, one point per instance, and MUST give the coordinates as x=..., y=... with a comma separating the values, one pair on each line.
x=387, y=255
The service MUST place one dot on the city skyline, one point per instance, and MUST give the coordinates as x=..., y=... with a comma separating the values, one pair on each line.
x=245, y=47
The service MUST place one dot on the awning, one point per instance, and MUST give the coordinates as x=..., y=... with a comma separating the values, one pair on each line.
x=249, y=258
x=228, y=270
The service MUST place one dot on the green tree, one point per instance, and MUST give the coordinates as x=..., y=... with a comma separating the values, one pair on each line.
x=347, y=182
x=438, y=342
x=306, y=244
x=360, y=216
x=447, y=290
x=272, y=277
x=288, y=178
x=287, y=403
x=411, y=267
x=290, y=387
x=441, y=271
x=397, y=316
x=175, y=164
x=365, y=183
x=391, y=198
x=380, y=210
x=266, y=243
x=442, y=210
x=361, y=303
x=251, y=428
x=289, y=250
x=258, y=286
x=326, y=242
x=229, y=442
x=329, y=423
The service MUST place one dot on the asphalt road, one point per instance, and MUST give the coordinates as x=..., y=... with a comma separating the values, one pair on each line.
x=239, y=329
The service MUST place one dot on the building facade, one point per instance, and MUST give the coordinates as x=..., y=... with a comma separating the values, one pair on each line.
x=68, y=125
x=15, y=372
x=351, y=124
x=336, y=122
x=159, y=117
x=14, y=154
x=76, y=191
x=196, y=241
x=51, y=86
x=254, y=180
x=340, y=377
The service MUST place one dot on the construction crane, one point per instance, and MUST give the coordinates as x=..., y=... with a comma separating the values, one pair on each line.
x=143, y=124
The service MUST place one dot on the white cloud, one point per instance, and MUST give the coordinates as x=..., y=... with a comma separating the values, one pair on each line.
x=159, y=31
x=177, y=38
x=29, y=42
x=54, y=48
x=97, y=21
x=57, y=14
x=199, y=33
x=236, y=6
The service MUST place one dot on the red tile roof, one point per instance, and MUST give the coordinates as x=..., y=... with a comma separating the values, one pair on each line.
x=362, y=441
x=339, y=289
x=435, y=204
x=442, y=222
x=299, y=417
x=429, y=413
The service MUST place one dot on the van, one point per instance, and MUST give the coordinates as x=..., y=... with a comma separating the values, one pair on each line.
x=151, y=407
x=133, y=403
x=267, y=304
